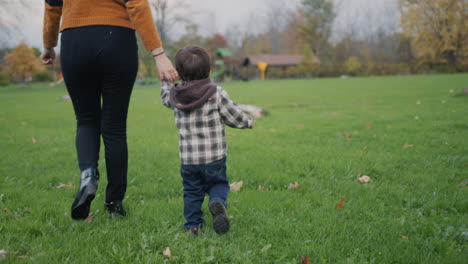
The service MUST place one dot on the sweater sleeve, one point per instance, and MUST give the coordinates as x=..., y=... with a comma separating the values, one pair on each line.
x=142, y=20
x=231, y=114
x=52, y=16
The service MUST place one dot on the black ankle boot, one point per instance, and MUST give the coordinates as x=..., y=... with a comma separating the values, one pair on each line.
x=86, y=193
x=115, y=209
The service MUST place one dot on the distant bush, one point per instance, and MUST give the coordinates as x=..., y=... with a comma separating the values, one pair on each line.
x=353, y=66
x=4, y=79
x=42, y=77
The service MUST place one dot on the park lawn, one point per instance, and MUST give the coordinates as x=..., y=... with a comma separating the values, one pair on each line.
x=408, y=133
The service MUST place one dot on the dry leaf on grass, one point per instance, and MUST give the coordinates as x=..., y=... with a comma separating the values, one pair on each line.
x=34, y=140
x=365, y=148
x=408, y=145
x=293, y=186
x=7, y=210
x=443, y=102
x=364, y=179
x=262, y=188
x=369, y=126
x=301, y=125
x=418, y=102
x=89, y=219
x=167, y=252
x=348, y=136
x=236, y=186
x=404, y=237
x=3, y=119
x=3, y=253
x=305, y=260
x=416, y=118
x=451, y=91
x=340, y=205
x=62, y=185
x=464, y=184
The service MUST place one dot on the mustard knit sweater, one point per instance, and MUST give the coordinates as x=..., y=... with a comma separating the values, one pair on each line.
x=135, y=14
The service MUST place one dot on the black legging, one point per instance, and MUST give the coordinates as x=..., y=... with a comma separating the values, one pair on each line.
x=101, y=62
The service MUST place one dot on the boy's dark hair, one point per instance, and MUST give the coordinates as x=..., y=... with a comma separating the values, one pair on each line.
x=193, y=63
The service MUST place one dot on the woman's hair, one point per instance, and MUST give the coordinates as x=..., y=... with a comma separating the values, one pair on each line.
x=193, y=63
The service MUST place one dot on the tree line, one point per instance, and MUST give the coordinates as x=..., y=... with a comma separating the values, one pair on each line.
x=431, y=36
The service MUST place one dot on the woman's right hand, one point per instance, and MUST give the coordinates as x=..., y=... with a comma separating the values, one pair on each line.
x=165, y=68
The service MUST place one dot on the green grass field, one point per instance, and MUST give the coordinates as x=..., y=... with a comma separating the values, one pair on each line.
x=415, y=210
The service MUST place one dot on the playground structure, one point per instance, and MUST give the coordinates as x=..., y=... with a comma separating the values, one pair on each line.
x=224, y=65
x=263, y=63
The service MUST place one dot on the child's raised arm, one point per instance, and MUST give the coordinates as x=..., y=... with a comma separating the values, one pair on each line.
x=232, y=115
x=165, y=93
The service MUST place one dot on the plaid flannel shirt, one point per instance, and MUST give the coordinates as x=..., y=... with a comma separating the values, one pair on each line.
x=201, y=131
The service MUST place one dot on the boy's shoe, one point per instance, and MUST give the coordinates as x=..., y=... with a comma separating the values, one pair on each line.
x=86, y=193
x=220, y=217
x=194, y=231
x=115, y=209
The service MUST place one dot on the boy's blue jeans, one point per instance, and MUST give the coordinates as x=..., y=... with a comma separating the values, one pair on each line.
x=199, y=179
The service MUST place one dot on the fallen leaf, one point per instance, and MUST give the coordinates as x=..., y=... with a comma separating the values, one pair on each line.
x=340, y=205
x=293, y=186
x=3, y=119
x=404, y=237
x=34, y=140
x=348, y=136
x=364, y=179
x=464, y=184
x=416, y=118
x=355, y=132
x=443, y=101
x=365, y=148
x=451, y=91
x=262, y=188
x=62, y=185
x=24, y=123
x=89, y=219
x=389, y=126
x=408, y=145
x=369, y=126
x=418, y=102
x=3, y=253
x=236, y=186
x=438, y=118
x=142, y=201
x=265, y=248
x=301, y=125
x=167, y=252
x=305, y=260
x=7, y=210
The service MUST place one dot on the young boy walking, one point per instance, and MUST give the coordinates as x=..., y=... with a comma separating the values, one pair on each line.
x=201, y=110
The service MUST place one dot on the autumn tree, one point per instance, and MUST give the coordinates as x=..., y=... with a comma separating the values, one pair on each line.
x=22, y=62
x=316, y=23
x=309, y=63
x=438, y=29
x=353, y=65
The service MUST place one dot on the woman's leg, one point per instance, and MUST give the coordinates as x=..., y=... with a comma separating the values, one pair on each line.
x=83, y=82
x=119, y=62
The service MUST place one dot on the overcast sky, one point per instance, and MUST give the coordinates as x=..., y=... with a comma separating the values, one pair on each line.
x=216, y=15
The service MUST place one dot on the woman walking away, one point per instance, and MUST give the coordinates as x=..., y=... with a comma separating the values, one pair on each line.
x=99, y=62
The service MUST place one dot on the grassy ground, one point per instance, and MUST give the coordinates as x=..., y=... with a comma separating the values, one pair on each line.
x=413, y=211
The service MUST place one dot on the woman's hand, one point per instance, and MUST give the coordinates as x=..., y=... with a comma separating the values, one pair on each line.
x=164, y=65
x=48, y=56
